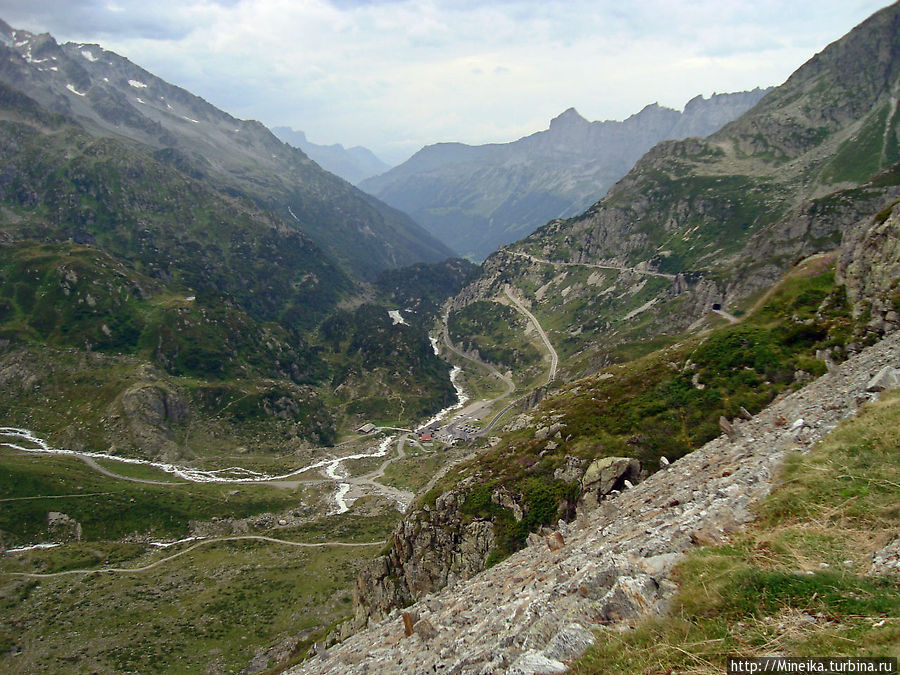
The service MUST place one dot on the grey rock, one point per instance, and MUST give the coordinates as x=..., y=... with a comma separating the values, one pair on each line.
x=886, y=378
x=727, y=428
x=887, y=560
x=569, y=643
x=533, y=662
x=631, y=597
x=63, y=526
x=555, y=541
x=571, y=471
x=605, y=474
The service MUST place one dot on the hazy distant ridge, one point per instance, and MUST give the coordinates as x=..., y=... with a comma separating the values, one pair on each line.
x=477, y=198
x=352, y=164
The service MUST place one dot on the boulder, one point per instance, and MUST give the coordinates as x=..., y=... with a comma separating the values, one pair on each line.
x=608, y=473
x=555, y=541
x=886, y=378
x=569, y=643
x=533, y=662
x=63, y=526
x=727, y=428
x=425, y=630
x=569, y=472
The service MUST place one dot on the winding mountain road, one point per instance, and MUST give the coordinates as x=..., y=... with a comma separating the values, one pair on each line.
x=131, y=570
x=554, y=357
x=566, y=263
x=402, y=497
x=106, y=472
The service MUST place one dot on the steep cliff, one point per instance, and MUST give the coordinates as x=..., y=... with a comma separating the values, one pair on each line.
x=869, y=265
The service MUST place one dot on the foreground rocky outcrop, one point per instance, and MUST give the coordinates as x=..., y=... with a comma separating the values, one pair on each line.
x=442, y=544
x=539, y=609
x=869, y=266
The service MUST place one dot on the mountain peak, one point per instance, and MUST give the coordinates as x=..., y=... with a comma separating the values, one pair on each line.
x=568, y=119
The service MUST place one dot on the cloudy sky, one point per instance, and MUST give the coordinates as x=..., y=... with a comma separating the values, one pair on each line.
x=394, y=75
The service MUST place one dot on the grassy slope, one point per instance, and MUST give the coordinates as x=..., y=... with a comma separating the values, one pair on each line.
x=796, y=583
x=216, y=605
x=210, y=609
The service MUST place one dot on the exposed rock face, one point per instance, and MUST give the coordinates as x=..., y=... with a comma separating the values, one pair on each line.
x=61, y=526
x=704, y=222
x=869, y=265
x=606, y=474
x=154, y=404
x=438, y=546
x=112, y=96
x=150, y=410
x=429, y=550
x=534, y=611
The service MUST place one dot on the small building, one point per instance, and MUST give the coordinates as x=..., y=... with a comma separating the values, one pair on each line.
x=425, y=437
x=366, y=428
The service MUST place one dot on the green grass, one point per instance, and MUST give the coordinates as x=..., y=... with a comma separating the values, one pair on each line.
x=496, y=332
x=860, y=157
x=414, y=472
x=210, y=610
x=139, y=471
x=350, y=527
x=795, y=583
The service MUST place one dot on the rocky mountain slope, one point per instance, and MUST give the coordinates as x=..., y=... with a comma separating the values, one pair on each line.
x=538, y=610
x=354, y=164
x=112, y=97
x=476, y=198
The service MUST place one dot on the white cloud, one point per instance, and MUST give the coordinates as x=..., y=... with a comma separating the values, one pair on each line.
x=396, y=75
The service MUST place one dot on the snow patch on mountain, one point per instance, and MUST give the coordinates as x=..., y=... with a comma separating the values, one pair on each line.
x=72, y=88
x=137, y=84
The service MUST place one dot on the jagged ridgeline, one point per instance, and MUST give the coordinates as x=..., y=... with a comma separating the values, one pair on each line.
x=477, y=198
x=170, y=303
x=110, y=96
